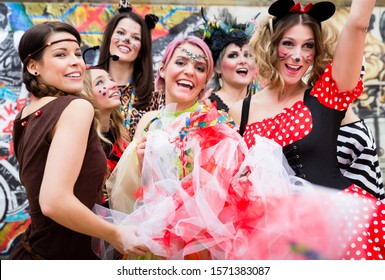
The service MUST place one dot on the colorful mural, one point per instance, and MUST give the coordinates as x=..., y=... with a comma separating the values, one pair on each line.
x=90, y=20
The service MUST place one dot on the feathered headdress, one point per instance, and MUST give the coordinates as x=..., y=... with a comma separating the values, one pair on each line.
x=219, y=34
x=320, y=11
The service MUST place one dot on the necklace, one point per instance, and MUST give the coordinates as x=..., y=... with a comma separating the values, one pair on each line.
x=127, y=105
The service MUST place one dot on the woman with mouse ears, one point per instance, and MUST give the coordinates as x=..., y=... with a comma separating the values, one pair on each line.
x=194, y=190
x=304, y=118
x=62, y=164
x=128, y=36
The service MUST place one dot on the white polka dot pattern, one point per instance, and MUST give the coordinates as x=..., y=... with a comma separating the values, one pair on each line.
x=294, y=123
x=285, y=128
x=366, y=233
x=326, y=91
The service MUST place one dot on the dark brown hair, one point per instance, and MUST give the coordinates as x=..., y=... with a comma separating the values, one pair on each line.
x=33, y=40
x=143, y=75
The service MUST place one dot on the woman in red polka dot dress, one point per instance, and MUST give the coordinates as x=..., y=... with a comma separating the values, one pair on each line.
x=304, y=118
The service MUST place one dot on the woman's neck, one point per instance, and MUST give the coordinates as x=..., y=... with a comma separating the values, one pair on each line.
x=120, y=72
x=104, y=120
x=230, y=94
x=182, y=107
x=289, y=92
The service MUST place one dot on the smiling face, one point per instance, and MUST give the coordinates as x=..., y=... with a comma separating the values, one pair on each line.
x=237, y=66
x=296, y=52
x=62, y=65
x=185, y=75
x=126, y=40
x=105, y=90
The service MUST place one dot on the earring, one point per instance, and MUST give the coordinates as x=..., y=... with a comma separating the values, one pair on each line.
x=36, y=73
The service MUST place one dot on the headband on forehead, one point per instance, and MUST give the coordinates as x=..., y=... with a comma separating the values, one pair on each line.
x=219, y=34
x=100, y=65
x=47, y=45
x=319, y=11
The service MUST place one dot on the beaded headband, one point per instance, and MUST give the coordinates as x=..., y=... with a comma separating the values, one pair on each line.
x=47, y=45
x=320, y=11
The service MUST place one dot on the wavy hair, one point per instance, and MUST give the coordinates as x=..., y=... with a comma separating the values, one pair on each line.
x=265, y=43
x=116, y=116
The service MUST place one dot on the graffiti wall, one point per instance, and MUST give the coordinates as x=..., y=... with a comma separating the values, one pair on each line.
x=90, y=20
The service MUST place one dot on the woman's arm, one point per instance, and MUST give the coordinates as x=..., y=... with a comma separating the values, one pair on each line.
x=347, y=58
x=65, y=158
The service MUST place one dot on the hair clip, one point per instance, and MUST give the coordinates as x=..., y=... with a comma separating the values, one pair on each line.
x=320, y=11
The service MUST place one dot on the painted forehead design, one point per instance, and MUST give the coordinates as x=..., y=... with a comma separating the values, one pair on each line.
x=192, y=56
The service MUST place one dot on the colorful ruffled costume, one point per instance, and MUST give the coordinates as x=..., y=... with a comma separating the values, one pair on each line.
x=203, y=194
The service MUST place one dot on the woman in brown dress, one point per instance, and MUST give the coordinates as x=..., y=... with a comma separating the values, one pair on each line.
x=62, y=164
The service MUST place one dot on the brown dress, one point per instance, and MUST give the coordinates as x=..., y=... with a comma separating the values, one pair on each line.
x=44, y=238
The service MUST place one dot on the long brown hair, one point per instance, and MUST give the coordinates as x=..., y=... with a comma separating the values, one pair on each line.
x=143, y=75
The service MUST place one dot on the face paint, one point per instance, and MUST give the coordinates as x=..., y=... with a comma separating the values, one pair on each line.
x=282, y=55
x=118, y=38
x=193, y=57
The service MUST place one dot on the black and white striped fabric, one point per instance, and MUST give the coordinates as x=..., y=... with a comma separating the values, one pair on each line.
x=358, y=159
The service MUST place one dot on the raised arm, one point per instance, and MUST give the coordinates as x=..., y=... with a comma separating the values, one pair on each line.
x=348, y=55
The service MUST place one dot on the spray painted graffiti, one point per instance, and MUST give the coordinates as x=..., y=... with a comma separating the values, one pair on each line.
x=90, y=20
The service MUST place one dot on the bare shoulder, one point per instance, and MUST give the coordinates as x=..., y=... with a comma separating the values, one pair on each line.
x=80, y=104
x=147, y=117
x=235, y=111
x=144, y=120
x=78, y=111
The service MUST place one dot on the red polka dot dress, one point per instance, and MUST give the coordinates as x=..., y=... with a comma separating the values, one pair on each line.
x=308, y=134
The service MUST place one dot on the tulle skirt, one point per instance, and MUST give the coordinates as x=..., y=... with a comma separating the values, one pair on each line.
x=209, y=197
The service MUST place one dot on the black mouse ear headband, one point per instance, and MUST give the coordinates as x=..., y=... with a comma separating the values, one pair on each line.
x=320, y=11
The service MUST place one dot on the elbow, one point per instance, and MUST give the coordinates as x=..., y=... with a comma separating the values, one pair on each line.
x=49, y=207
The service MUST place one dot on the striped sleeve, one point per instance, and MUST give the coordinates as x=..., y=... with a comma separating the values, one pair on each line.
x=358, y=159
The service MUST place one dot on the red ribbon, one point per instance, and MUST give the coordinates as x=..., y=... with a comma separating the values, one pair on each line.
x=297, y=8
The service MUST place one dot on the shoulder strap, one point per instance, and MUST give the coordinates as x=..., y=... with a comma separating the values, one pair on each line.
x=245, y=114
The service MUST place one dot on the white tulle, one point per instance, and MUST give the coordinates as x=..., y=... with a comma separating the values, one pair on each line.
x=234, y=203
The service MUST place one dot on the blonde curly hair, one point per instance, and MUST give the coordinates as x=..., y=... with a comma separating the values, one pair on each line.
x=267, y=37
